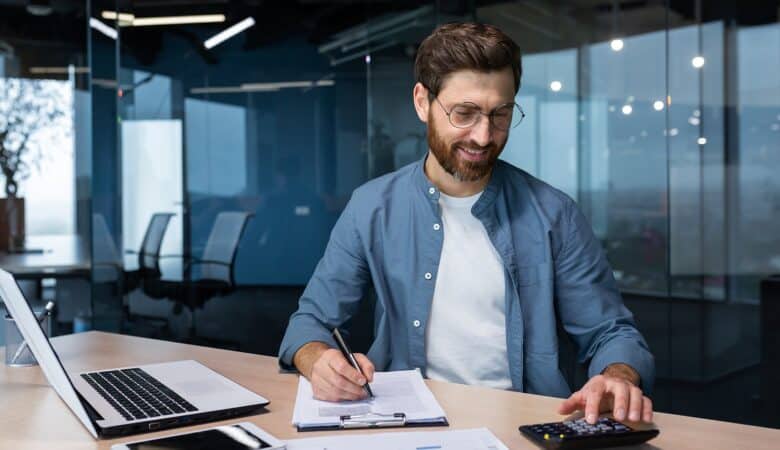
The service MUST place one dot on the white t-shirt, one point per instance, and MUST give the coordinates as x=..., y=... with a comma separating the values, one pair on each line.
x=465, y=341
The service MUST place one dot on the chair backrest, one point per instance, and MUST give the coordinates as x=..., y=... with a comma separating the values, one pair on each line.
x=222, y=246
x=149, y=255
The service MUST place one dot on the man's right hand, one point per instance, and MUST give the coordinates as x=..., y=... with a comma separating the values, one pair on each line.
x=332, y=377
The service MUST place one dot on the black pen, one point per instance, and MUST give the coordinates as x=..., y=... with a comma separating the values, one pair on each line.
x=351, y=358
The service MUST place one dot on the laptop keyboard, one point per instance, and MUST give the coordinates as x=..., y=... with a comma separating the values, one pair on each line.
x=137, y=395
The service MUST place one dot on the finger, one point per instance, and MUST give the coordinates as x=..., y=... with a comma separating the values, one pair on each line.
x=340, y=365
x=366, y=366
x=635, y=404
x=620, y=404
x=593, y=404
x=350, y=389
x=647, y=410
x=571, y=404
x=323, y=390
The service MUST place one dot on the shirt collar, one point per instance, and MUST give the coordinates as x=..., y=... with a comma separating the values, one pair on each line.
x=431, y=192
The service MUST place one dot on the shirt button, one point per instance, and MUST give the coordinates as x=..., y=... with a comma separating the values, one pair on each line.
x=436, y=226
x=416, y=324
x=428, y=275
x=432, y=191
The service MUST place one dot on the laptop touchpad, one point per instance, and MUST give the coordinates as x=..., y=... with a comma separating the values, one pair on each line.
x=200, y=387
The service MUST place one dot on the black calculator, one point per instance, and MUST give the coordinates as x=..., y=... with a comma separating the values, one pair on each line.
x=579, y=434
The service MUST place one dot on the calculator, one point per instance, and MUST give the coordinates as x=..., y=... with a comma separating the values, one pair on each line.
x=579, y=434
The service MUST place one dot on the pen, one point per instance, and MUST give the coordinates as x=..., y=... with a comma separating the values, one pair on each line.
x=351, y=358
x=47, y=309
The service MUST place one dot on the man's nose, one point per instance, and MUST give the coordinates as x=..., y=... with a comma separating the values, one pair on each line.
x=481, y=132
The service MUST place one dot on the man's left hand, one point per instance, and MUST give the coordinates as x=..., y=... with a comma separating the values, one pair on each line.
x=616, y=390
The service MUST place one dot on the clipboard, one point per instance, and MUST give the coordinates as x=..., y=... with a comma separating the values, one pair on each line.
x=401, y=400
x=373, y=420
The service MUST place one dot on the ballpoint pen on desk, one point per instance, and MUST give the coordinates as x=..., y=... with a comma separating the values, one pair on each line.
x=46, y=310
x=351, y=358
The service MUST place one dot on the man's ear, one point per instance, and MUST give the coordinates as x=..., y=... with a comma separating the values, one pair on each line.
x=421, y=102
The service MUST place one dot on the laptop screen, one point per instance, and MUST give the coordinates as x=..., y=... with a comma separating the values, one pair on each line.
x=41, y=348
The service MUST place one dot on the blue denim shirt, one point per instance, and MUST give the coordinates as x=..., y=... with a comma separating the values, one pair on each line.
x=555, y=270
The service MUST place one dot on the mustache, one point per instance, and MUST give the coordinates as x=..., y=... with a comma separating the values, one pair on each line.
x=491, y=147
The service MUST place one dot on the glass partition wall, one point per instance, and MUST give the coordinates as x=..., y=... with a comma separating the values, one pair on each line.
x=661, y=119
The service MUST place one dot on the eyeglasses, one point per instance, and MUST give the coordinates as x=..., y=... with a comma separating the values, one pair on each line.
x=467, y=114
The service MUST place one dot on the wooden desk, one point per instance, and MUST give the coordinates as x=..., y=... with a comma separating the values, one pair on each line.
x=32, y=416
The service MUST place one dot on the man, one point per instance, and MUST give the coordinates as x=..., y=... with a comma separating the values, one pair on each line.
x=473, y=261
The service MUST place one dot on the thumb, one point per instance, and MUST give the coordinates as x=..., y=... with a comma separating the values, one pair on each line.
x=571, y=404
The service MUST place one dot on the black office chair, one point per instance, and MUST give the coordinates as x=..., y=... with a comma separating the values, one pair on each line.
x=149, y=253
x=108, y=267
x=211, y=276
x=148, y=266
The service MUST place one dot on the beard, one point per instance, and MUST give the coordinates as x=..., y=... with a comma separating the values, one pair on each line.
x=450, y=160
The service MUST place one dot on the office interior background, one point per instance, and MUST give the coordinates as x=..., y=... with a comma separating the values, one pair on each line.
x=661, y=118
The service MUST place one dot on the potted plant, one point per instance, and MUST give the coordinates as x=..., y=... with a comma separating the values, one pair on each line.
x=32, y=114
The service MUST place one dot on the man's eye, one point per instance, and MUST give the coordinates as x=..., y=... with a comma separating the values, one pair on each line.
x=464, y=112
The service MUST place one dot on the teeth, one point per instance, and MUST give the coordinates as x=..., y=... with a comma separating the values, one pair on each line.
x=474, y=152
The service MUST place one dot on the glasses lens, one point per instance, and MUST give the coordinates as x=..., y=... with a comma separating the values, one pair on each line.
x=463, y=116
x=503, y=117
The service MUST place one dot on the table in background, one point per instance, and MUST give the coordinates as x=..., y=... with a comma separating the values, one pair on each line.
x=51, y=256
x=32, y=416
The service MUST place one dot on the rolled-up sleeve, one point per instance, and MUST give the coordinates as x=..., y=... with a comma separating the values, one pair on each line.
x=590, y=306
x=334, y=292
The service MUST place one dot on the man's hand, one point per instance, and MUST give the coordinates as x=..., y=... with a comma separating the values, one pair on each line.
x=332, y=377
x=616, y=389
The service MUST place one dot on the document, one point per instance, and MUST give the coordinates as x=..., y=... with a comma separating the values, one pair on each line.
x=394, y=392
x=472, y=439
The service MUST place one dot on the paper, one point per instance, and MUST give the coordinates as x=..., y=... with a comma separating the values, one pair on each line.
x=473, y=439
x=394, y=392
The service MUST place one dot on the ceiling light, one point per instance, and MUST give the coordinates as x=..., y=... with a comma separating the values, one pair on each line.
x=39, y=7
x=177, y=20
x=674, y=132
x=697, y=62
x=57, y=70
x=627, y=109
x=616, y=44
x=658, y=105
x=263, y=87
x=113, y=15
x=228, y=33
x=556, y=86
x=694, y=121
x=701, y=140
x=103, y=28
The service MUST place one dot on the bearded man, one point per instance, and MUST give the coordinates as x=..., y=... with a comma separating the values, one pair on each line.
x=474, y=262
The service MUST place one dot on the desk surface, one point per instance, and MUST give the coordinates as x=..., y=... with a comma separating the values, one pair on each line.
x=55, y=256
x=32, y=416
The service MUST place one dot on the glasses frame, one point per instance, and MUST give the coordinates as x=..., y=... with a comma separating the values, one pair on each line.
x=490, y=115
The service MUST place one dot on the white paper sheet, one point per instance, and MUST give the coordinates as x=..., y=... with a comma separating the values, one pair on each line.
x=472, y=439
x=394, y=392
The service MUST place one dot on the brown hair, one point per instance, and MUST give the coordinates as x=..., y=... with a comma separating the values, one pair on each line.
x=464, y=46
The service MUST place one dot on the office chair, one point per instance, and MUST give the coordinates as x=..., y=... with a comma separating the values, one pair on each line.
x=108, y=268
x=148, y=266
x=211, y=276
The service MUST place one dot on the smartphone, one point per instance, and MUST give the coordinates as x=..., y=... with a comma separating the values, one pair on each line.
x=240, y=436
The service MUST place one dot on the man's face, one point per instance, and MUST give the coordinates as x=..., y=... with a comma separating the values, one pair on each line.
x=469, y=154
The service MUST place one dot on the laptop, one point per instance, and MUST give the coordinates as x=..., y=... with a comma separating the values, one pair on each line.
x=137, y=399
